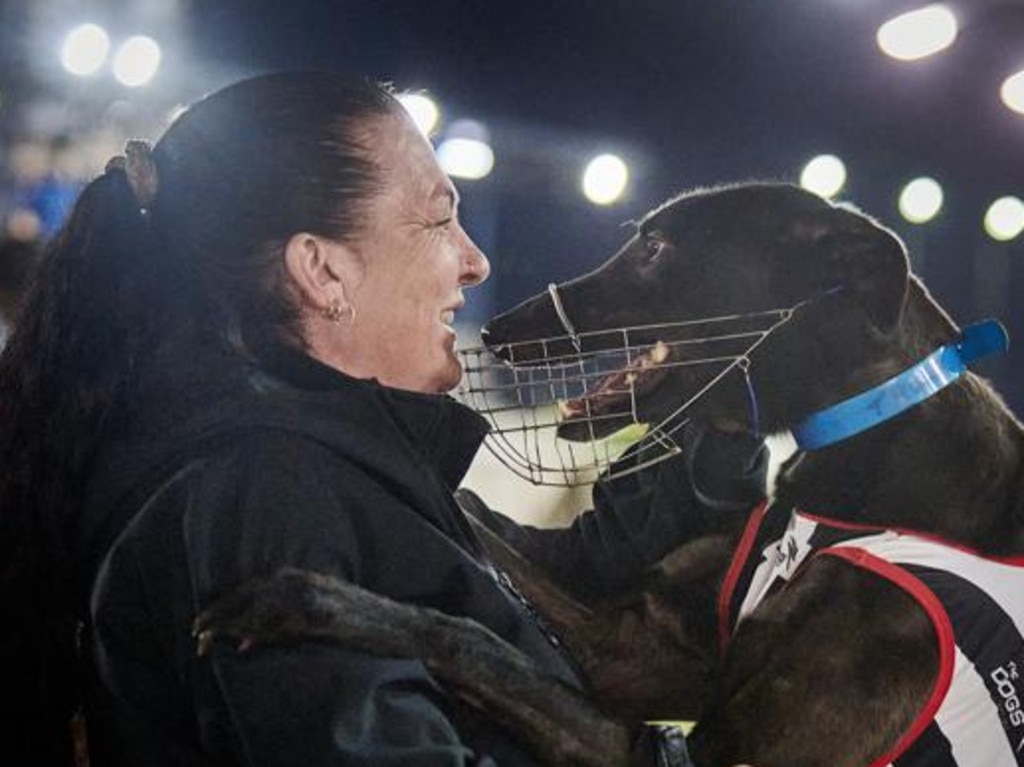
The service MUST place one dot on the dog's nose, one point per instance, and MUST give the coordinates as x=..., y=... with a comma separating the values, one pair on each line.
x=490, y=335
x=494, y=338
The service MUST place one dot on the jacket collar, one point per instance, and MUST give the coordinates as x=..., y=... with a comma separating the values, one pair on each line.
x=187, y=398
x=447, y=433
x=189, y=392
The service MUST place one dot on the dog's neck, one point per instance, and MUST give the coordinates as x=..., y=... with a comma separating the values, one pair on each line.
x=950, y=466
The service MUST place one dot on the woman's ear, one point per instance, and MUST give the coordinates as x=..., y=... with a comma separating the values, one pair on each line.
x=323, y=271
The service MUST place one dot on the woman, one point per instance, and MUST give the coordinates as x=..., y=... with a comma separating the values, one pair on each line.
x=234, y=360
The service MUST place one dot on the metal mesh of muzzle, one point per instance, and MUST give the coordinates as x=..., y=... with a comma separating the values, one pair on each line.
x=595, y=382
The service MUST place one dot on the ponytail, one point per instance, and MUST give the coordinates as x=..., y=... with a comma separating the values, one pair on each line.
x=84, y=321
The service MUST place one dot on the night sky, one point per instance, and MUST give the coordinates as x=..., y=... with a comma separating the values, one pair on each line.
x=740, y=80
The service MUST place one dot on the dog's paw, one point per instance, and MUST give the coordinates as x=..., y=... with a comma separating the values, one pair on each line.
x=283, y=607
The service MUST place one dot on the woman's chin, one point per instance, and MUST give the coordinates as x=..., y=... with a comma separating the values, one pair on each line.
x=452, y=376
x=443, y=378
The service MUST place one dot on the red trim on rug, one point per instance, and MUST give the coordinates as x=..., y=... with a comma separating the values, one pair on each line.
x=943, y=632
x=732, y=575
x=1015, y=561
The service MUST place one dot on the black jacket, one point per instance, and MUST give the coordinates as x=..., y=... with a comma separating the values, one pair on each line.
x=222, y=472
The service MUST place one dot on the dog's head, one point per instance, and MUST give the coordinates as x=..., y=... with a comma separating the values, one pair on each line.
x=738, y=251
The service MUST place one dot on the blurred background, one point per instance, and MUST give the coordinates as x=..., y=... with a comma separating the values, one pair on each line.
x=562, y=121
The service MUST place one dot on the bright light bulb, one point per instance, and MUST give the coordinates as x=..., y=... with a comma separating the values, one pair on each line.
x=136, y=61
x=85, y=49
x=422, y=109
x=825, y=175
x=1012, y=92
x=465, y=158
x=919, y=33
x=605, y=179
x=921, y=200
x=1005, y=219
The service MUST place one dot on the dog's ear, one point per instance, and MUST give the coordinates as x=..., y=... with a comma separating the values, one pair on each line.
x=860, y=258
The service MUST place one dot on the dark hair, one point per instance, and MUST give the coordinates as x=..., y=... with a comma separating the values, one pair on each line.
x=237, y=175
x=17, y=260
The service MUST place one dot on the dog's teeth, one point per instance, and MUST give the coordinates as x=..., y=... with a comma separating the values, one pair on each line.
x=659, y=353
x=630, y=378
x=565, y=409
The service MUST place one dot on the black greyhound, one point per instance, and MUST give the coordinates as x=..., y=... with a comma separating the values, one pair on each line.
x=795, y=638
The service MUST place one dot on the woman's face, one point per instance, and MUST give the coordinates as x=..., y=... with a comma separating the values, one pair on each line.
x=416, y=259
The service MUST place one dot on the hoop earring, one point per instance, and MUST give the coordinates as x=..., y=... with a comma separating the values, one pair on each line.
x=340, y=315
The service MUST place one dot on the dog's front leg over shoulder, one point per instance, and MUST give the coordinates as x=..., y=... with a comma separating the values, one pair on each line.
x=557, y=721
x=832, y=670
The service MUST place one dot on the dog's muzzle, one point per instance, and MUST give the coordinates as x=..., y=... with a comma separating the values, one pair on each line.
x=565, y=410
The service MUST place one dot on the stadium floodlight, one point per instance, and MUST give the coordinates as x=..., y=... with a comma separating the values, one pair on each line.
x=918, y=34
x=921, y=200
x=423, y=110
x=1012, y=92
x=466, y=151
x=137, y=61
x=466, y=158
x=825, y=175
x=1004, y=219
x=84, y=50
x=605, y=179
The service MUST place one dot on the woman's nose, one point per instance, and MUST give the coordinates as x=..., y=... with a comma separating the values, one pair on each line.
x=475, y=267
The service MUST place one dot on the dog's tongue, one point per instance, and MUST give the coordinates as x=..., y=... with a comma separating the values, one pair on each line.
x=640, y=375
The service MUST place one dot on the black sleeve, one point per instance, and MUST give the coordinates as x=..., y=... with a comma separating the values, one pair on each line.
x=639, y=517
x=246, y=514
x=314, y=705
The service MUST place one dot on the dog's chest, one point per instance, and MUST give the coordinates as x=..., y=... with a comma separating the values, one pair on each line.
x=975, y=604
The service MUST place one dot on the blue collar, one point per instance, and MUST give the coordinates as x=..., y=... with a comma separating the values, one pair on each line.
x=890, y=398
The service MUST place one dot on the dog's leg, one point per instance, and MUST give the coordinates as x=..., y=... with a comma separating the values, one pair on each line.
x=557, y=721
x=569, y=616
x=655, y=655
x=649, y=655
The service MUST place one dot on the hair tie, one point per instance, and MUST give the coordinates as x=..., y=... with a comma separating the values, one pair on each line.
x=140, y=170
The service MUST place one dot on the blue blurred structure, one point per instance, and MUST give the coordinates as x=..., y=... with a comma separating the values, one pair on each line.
x=51, y=200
